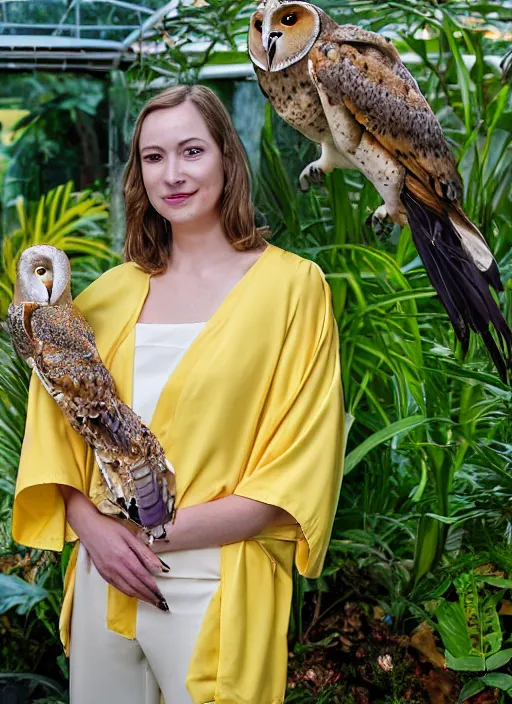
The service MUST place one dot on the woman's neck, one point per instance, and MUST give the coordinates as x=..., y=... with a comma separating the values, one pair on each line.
x=195, y=248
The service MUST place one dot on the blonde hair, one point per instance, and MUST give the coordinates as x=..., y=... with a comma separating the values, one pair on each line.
x=148, y=234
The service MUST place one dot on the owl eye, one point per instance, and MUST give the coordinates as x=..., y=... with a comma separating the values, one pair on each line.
x=289, y=20
x=258, y=26
x=40, y=271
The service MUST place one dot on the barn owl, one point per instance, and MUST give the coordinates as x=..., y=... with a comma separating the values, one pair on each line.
x=346, y=89
x=51, y=335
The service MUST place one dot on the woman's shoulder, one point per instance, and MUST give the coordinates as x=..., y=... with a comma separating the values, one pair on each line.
x=296, y=271
x=298, y=293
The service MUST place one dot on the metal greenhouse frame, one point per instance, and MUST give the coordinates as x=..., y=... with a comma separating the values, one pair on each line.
x=51, y=35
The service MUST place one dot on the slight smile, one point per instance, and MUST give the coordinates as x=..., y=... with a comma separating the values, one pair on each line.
x=178, y=198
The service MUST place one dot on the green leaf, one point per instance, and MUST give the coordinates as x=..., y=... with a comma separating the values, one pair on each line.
x=381, y=436
x=499, y=582
x=33, y=681
x=453, y=520
x=498, y=659
x=453, y=629
x=470, y=689
x=427, y=547
x=469, y=663
x=498, y=679
x=491, y=635
x=15, y=592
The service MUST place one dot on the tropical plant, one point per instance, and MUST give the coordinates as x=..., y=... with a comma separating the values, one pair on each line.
x=24, y=687
x=14, y=381
x=195, y=35
x=472, y=632
x=59, y=139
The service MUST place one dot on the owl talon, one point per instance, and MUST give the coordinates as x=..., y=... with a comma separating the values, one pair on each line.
x=381, y=223
x=311, y=176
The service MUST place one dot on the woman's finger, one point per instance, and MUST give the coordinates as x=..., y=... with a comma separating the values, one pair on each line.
x=124, y=586
x=143, y=584
x=128, y=574
x=148, y=558
x=144, y=577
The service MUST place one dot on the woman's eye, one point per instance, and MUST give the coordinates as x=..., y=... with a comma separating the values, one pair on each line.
x=152, y=157
x=193, y=151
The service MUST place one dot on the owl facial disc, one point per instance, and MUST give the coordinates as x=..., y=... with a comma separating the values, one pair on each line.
x=282, y=33
x=43, y=275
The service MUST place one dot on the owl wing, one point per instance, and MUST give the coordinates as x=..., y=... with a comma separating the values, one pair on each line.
x=362, y=71
x=137, y=476
x=69, y=366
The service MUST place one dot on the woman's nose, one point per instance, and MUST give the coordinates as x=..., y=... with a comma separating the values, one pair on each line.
x=173, y=173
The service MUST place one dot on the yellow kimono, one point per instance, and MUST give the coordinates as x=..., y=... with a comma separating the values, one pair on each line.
x=254, y=408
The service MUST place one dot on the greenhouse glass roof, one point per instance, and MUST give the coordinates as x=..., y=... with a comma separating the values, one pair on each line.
x=75, y=34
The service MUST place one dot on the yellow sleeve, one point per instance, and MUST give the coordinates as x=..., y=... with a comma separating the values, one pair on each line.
x=52, y=453
x=301, y=465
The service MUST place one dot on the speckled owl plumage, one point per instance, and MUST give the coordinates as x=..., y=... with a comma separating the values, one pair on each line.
x=346, y=89
x=57, y=342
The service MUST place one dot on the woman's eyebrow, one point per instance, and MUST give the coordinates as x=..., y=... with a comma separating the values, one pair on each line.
x=190, y=139
x=180, y=144
x=153, y=147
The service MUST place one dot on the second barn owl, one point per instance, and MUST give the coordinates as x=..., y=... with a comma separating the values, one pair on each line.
x=347, y=89
x=53, y=337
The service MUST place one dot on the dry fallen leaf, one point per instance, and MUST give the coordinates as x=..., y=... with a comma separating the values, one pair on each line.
x=423, y=640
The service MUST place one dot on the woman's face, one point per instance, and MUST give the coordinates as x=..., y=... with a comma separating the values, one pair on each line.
x=181, y=165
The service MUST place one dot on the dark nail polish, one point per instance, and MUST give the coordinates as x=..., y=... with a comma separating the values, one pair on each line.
x=163, y=605
x=164, y=565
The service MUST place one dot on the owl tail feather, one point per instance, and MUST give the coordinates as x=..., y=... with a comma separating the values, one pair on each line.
x=461, y=285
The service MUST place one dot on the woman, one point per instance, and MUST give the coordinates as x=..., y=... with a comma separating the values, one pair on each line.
x=239, y=338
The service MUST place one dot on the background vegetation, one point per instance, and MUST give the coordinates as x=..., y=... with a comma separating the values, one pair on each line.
x=414, y=603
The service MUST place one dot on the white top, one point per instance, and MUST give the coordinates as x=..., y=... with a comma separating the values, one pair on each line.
x=158, y=350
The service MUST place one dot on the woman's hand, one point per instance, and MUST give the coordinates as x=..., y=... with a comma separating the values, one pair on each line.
x=121, y=559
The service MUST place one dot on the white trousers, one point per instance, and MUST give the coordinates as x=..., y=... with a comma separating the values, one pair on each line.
x=106, y=668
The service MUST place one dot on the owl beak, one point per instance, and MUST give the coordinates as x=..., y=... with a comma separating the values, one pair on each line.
x=48, y=286
x=271, y=47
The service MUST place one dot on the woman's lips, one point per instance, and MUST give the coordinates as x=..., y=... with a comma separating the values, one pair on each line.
x=178, y=199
